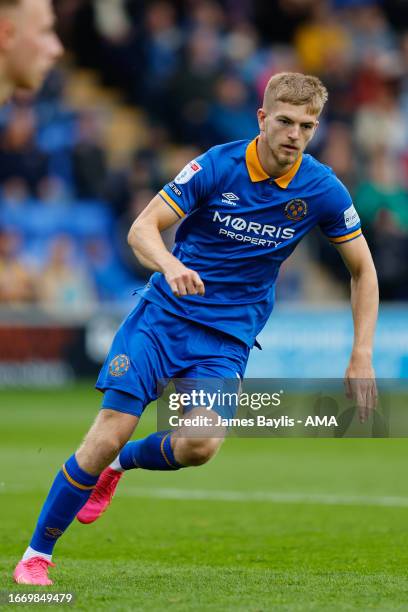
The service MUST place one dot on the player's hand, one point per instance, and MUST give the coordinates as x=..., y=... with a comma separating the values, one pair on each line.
x=361, y=387
x=182, y=280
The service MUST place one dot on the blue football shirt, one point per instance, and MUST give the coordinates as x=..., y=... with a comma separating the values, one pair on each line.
x=239, y=225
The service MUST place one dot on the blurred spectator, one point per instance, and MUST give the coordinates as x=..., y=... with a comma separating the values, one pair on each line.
x=14, y=192
x=206, y=15
x=379, y=123
x=162, y=42
x=230, y=116
x=111, y=19
x=367, y=80
x=19, y=155
x=16, y=283
x=110, y=278
x=370, y=34
x=192, y=87
x=241, y=48
x=338, y=76
x=338, y=153
x=161, y=46
x=390, y=252
x=105, y=36
x=63, y=283
x=89, y=159
x=143, y=172
x=382, y=203
x=383, y=192
x=53, y=191
x=320, y=39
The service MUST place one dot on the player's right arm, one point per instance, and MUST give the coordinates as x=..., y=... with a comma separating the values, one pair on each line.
x=147, y=244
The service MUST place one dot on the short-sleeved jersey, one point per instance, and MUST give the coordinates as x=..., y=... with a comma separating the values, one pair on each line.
x=239, y=225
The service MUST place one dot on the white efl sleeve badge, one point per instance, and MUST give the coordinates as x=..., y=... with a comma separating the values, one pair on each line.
x=351, y=217
x=188, y=172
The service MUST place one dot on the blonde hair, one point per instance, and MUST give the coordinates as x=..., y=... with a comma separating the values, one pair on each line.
x=296, y=88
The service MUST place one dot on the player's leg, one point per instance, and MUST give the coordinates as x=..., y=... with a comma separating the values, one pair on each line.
x=211, y=357
x=76, y=480
x=162, y=450
x=195, y=445
x=138, y=359
x=110, y=431
x=71, y=489
x=155, y=452
x=168, y=450
x=216, y=361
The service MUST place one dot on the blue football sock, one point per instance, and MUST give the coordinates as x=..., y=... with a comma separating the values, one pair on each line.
x=69, y=492
x=151, y=453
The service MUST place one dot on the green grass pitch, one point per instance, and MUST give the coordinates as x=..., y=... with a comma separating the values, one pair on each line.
x=270, y=524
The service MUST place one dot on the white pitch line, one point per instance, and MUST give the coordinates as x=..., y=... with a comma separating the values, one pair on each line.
x=265, y=496
x=272, y=497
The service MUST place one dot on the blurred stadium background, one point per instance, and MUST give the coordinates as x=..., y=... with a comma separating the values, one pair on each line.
x=146, y=86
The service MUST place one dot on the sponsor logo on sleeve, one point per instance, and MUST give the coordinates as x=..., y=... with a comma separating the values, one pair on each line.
x=176, y=190
x=188, y=172
x=351, y=217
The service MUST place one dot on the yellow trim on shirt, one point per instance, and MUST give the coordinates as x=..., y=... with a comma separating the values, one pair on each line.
x=283, y=181
x=255, y=170
x=339, y=239
x=257, y=173
x=172, y=203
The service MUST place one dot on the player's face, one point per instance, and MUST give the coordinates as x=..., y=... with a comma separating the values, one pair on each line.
x=33, y=46
x=287, y=130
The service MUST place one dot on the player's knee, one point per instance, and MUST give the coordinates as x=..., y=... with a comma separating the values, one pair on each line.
x=110, y=432
x=101, y=448
x=199, y=451
x=116, y=425
x=112, y=445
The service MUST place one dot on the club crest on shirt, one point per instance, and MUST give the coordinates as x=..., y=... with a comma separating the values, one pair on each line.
x=296, y=209
x=119, y=365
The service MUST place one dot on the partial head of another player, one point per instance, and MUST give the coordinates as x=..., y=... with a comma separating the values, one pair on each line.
x=289, y=116
x=29, y=46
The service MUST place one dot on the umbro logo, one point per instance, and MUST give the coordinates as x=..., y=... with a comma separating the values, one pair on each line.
x=230, y=198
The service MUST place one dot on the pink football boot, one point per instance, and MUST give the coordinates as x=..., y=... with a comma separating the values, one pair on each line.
x=100, y=497
x=33, y=571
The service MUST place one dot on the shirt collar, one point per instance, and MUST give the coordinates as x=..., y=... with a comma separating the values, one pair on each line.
x=257, y=173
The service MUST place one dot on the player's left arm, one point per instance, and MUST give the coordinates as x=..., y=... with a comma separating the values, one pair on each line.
x=360, y=376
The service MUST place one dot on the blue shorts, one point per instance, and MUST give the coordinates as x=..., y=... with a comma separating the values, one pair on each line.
x=153, y=344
